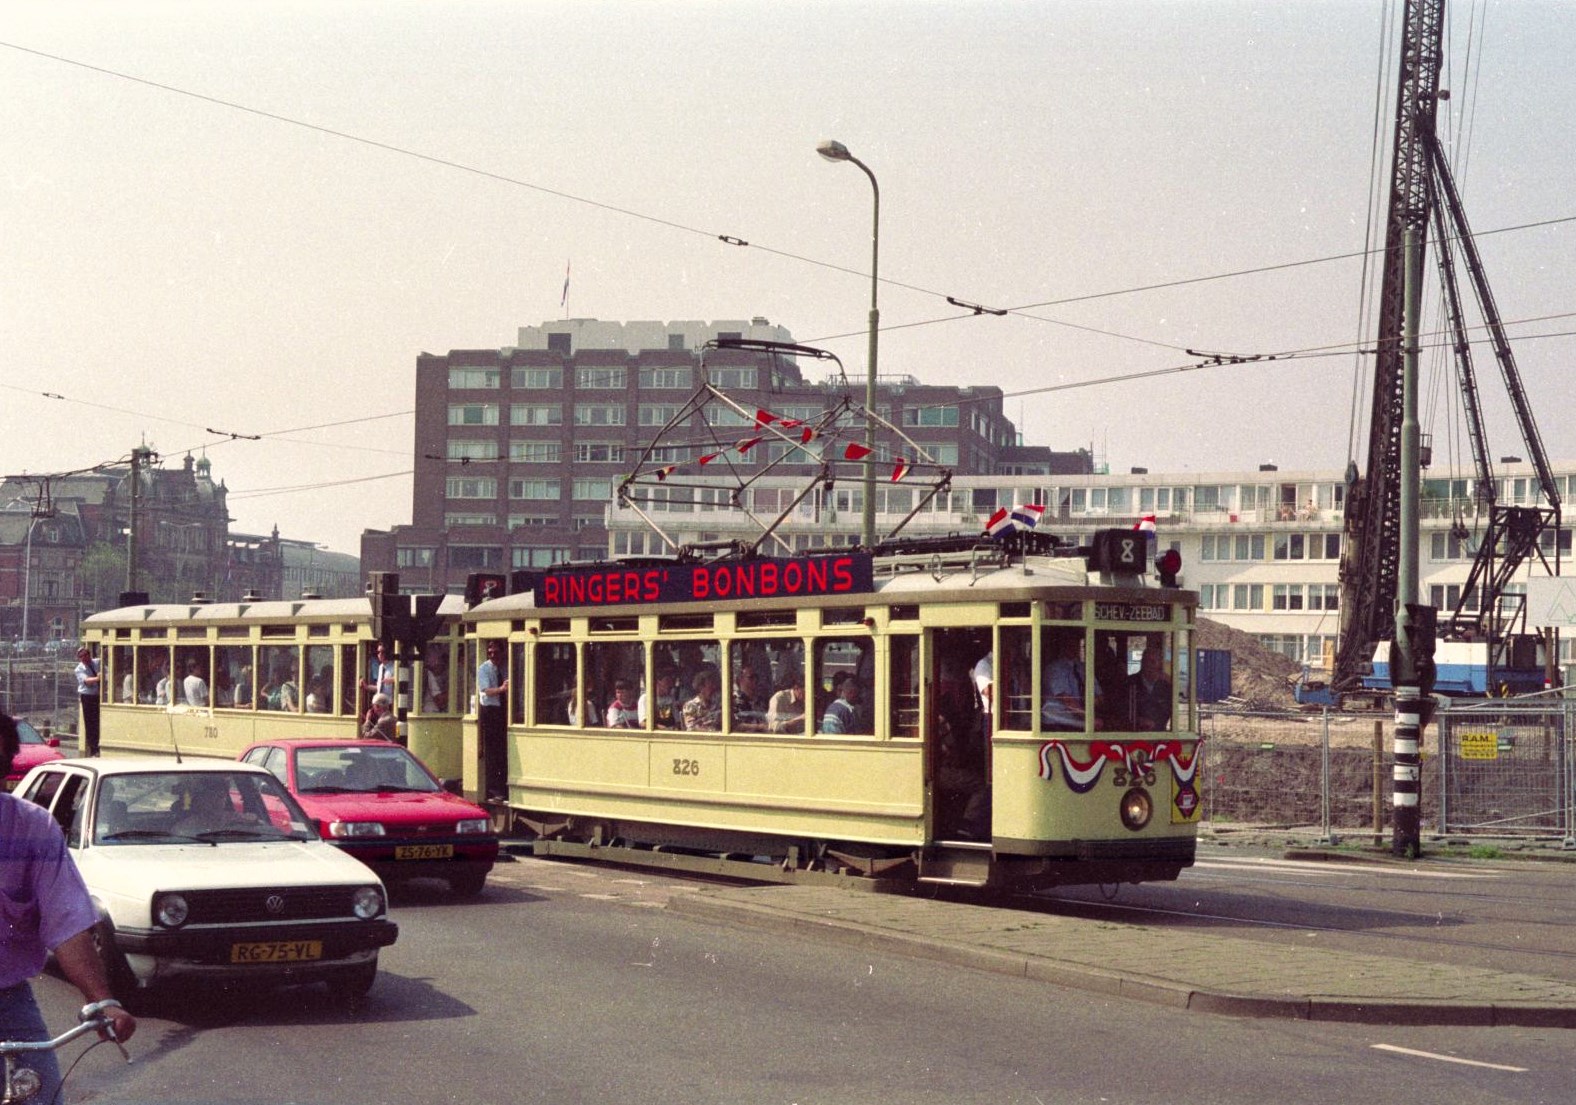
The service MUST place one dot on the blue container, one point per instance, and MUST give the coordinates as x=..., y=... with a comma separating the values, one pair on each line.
x=1214, y=674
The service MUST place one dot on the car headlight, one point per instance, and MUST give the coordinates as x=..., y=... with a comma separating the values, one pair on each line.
x=475, y=825
x=1137, y=808
x=367, y=902
x=171, y=910
x=339, y=829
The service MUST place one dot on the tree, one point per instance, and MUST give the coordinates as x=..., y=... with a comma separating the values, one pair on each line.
x=103, y=576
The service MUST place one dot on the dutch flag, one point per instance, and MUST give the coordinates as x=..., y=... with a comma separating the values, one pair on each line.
x=1146, y=526
x=1028, y=515
x=1000, y=524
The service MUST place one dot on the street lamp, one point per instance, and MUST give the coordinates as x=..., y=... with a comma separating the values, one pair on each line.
x=833, y=150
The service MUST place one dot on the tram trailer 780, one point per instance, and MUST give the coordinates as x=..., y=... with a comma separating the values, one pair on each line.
x=987, y=716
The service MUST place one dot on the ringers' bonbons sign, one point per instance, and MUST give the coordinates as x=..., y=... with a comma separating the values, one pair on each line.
x=767, y=578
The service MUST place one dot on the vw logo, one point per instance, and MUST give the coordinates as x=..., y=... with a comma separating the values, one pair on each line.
x=275, y=904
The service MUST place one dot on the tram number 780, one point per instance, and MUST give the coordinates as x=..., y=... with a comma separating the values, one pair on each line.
x=686, y=767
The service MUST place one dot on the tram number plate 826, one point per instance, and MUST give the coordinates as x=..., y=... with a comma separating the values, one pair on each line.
x=685, y=767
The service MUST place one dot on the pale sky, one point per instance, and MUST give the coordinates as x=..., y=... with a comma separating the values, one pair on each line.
x=181, y=255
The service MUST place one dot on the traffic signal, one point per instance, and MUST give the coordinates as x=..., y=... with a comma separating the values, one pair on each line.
x=1167, y=565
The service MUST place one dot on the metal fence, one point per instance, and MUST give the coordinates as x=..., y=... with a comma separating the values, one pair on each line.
x=1489, y=769
x=1506, y=769
x=41, y=689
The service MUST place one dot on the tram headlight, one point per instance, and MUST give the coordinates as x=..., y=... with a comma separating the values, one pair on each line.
x=1137, y=808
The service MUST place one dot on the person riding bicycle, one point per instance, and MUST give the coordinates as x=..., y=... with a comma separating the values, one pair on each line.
x=44, y=905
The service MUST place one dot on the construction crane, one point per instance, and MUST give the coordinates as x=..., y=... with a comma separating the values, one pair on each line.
x=1423, y=198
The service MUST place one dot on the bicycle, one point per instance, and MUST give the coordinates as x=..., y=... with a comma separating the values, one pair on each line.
x=23, y=1083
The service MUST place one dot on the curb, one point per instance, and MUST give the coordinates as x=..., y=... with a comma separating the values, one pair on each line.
x=1155, y=991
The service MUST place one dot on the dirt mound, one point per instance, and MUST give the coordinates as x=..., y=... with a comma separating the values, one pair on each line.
x=1260, y=677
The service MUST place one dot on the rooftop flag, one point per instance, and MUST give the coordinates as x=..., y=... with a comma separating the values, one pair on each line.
x=1000, y=523
x=1146, y=525
x=563, y=299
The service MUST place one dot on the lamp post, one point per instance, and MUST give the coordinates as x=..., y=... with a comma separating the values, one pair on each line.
x=833, y=150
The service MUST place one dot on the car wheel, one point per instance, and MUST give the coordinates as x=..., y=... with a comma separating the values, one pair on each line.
x=468, y=883
x=122, y=983
x=352, y=984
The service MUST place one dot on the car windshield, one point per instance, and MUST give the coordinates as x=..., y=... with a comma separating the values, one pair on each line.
x=360, y=769
x=207, y=807
x=28, y=733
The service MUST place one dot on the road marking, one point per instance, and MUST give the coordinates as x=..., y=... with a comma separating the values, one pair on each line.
x=1446, y=1058
x=1328, y=867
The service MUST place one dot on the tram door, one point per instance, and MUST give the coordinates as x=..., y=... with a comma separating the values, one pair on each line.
x=960, y=733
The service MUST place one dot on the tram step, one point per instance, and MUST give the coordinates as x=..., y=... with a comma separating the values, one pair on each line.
x=956, y=864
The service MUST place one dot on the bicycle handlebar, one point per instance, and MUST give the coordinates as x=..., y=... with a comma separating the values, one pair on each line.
x=93, y=1020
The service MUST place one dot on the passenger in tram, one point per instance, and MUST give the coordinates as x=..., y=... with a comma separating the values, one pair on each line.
x=1150, y=690
x=1062, y=684
x=984, y=677
x=660, y=703
x=622, y=712
x=317, y=696
x=749, y=706
x=704, y=712
x=194, y=688
x=785, y=712
x=843, y=714
x=243, y=687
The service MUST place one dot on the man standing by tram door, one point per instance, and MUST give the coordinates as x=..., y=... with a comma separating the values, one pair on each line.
x=492, y=699
x=88, y=680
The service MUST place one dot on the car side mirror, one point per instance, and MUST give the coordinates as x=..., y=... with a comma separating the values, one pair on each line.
x=451, y=785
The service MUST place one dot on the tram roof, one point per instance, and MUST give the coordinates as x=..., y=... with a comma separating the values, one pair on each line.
x=350, y=609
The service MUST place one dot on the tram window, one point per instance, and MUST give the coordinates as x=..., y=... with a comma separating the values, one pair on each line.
x=614, y=625
x=153, y=675
x=1151, y=697
x=1015, y=610
x=684, y=621
x=516, y=692
x=319, y=679
x=698, y=669
x=840, y=708
x=1011, y=671
x=906, y=613
x=767, y=619
x=1110, y=680
x=192, y=679
x=555, y=625
x=434, y=678
x=843, y=615
x=615, y=679
x=777, y=685
x=554, y=682
x=279, y=670
x=904, y=686
x=232, y=676
x=123, y=678
x=1064, y=683
x=1063, y=611
x=349, y=684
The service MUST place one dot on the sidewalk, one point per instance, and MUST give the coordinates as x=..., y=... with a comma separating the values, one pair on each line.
x=1178, y=967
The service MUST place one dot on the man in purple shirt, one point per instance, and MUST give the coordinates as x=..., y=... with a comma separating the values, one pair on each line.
x=44, y=906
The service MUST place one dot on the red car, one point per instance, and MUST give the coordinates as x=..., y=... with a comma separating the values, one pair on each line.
x=35, y=750
x=380, y=804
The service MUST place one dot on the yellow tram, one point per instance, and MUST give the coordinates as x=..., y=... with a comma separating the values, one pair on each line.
x=208, y=679
x=1018, y=717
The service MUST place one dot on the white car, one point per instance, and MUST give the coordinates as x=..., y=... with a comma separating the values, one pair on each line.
x=210, y=870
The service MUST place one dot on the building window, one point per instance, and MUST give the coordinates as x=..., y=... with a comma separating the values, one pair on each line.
x=517, y=521
x=601, y=378
x=537, y=557
x=470, y=487
x=412, y=556
x=472, y=379
x=463, y=519
x=930, y=416
x=599, y=452
x=536, y=452
x=475, y=556
x=536, y=414
x=598, y=490
x=543, y=378
x=473, y=414
x=472, y=450
x=718, y=414
x=658, y=414
x=534, y=489
x=674, y=377
x=946, y=455
x=736, y=377
x=560, y=343
x=599, y=414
